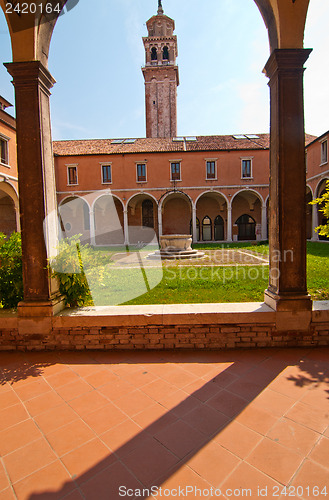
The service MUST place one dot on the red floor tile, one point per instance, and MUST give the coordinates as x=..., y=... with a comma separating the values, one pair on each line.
x=51, y=420
x=150, y=460
x=250, y=482
x=238, y=439
x=4, y=481
x=88, y=460
x=105, y=418
x=294, y=436
x=320, y=453
x=228, y=403
x=8, y=398
x=52, y=481
x=256, y=419
x=180, y=438
x=32, y=389
x=69, y=437
x=64, y=377
x=213, y=463
x=7, y=494
x=311, y=479
x=105, y=485
x=73, y=390
x=273, y=402
x=88, y=402
x=40, y=404
x=116, y=389
x=134, y=402
x=275, y=460
x=310, y=417
x=123, y=438
x=12, y=415
x=32, y=457
x=101, y=377
x=18, y=436
x=206, y=420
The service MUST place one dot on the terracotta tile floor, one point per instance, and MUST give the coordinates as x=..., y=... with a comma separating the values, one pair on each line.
x=102, y=425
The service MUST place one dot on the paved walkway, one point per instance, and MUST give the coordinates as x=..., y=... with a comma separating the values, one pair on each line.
x=101, y=425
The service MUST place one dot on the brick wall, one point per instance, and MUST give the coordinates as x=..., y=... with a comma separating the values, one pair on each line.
x=182, y=336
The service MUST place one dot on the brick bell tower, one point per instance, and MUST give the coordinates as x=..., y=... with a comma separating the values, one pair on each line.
x=161, y=76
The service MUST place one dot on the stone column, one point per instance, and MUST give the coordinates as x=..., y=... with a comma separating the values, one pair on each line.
x=194, y=226
x=37, y=190
x=264, y=223
x=287, y=290
x=160, y=220
x=125, y=226
x=315, y=222
x=92, y=228
x=229, y=223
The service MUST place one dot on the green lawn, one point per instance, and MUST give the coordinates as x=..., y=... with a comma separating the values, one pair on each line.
x=195, y=284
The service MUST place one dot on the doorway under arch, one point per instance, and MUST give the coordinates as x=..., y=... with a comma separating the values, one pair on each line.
x=246, y=227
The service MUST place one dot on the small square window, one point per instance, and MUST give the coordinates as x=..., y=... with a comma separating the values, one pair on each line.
x=211, y=169
x=4, y=150
x=106, y=174
x=72, y=175
x=175, y=171
x=324, y=152
x=246, y=169
x=141, y=172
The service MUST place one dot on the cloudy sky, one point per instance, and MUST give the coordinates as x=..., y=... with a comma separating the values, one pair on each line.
x=97, y=53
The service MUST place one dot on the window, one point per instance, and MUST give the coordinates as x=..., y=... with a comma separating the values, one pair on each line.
x=165, y=54
x=211, y=169
x=72, y=175
x=324, y=152
x=206, y=228
x=106, y=174
x=246, y=168
x=141, y=172
x=4, y=150
x=175, y=171
x=147, y=214
x=154, y=55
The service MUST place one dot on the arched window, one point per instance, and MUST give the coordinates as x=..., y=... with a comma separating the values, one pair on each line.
x=197, y=229
x=165, y=54
x=154, y=55
x=206, y=228
x=147, y=213
x=246, y=227
x=219, y=228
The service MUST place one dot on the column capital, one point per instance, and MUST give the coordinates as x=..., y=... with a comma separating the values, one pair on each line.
x=30, y=73
x=290, y=60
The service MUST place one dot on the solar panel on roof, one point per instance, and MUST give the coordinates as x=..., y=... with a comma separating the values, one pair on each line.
x=252, y=136
x=178, y=139
x=191, y=138
x=129, y=141
x=240, y=136
x=117, y=141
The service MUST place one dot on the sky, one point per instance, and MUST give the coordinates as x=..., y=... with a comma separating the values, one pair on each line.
x=96, y=56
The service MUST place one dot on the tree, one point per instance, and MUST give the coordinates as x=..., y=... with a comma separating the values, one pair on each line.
x=323, y=206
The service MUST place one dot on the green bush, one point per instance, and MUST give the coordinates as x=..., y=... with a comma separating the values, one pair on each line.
x=11, y=280
x=75, y=266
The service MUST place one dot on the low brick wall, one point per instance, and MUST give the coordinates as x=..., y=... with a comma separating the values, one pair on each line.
x=138, y=330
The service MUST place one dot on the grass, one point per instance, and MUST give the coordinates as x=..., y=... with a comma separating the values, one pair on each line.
x=192, y=284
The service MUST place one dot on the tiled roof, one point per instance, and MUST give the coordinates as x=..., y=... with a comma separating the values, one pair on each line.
x=155, y=145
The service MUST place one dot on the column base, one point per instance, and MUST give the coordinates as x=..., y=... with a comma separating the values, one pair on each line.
x=288, y=302
x=38, y=309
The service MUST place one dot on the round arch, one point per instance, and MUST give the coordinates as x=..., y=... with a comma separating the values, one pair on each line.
x=106, y=194
x=74, y=217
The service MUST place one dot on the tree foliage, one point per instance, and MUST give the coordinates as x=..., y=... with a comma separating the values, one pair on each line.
x=323, y=207
x=11, y=281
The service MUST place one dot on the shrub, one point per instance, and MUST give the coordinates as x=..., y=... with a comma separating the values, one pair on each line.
x=11, y=280
x=77, y=267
